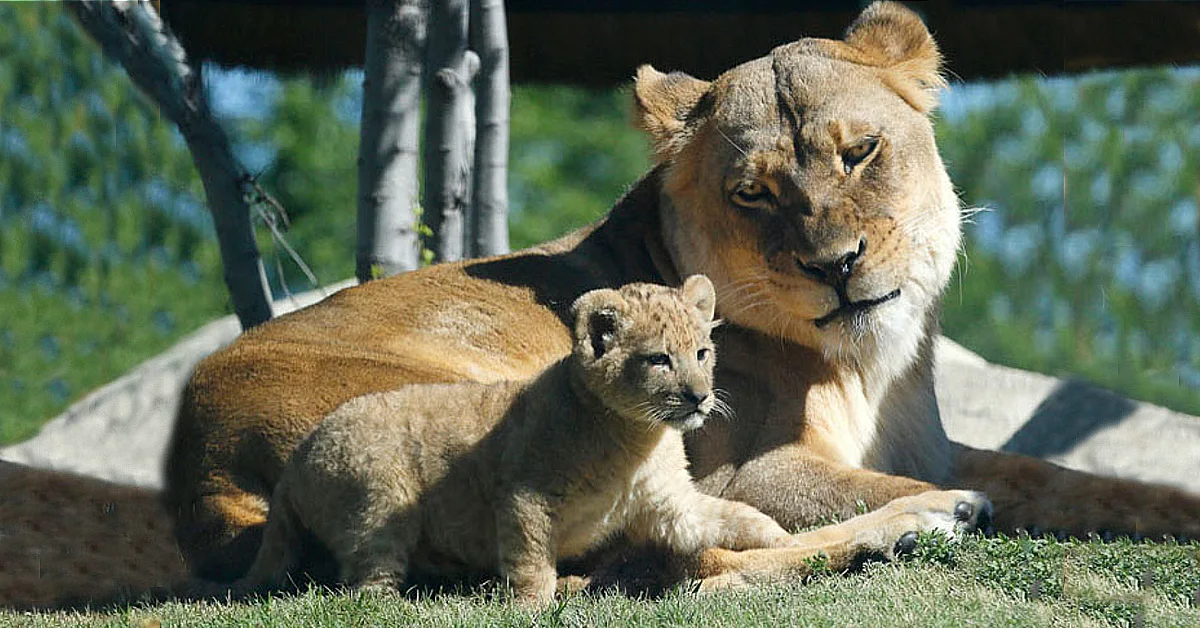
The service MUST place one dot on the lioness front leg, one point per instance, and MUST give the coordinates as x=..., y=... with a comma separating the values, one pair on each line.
x=525, y=535
x=882, y=532
x=799, y=489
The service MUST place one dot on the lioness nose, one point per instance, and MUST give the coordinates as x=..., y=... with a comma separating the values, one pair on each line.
x=835, y=271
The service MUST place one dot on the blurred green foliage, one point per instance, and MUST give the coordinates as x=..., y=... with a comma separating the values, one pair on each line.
x=1086, y=261
x=1086, y=258
x=106, y=250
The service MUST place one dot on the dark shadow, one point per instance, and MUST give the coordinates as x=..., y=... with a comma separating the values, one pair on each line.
x=1066, y=417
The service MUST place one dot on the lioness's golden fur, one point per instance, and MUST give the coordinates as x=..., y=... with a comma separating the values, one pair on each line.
x=808, y=186
x=512, y=477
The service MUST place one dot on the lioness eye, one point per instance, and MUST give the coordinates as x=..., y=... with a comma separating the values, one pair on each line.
x=752, y=194
x=658, y=359
x=702, y=354
x=855, y=155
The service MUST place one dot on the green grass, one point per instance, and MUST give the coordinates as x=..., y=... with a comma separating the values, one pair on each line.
x=994, y=581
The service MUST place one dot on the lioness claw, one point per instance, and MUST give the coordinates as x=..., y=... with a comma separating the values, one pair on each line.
x=905, y=544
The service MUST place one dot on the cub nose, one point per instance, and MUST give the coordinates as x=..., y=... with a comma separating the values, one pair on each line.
x=835, y=271
x=695, y=397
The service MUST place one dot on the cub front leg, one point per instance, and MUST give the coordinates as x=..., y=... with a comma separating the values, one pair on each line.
x=727, y=524
x=674, y=514
x=525, y=535
x=882, y=532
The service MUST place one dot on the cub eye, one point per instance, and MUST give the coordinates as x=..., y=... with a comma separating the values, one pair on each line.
x=659, y=359
x=752, y=194
x=702, y=354
x=856, y=154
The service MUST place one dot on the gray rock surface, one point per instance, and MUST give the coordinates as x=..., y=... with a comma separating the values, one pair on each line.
x=1066, y=421
x=120, y=432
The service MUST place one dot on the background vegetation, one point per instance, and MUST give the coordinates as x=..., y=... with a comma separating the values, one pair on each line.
x=1086, y=260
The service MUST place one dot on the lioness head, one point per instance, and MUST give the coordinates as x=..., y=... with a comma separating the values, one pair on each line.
x=807, y=185
x=646, y=352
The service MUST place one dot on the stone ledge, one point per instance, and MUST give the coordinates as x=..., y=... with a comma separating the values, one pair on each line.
x=1066, y=421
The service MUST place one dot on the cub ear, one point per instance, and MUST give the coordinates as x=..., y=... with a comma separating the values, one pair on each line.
x=598, y=317
x=698, y=292
x=663, y=103
x=891, y=36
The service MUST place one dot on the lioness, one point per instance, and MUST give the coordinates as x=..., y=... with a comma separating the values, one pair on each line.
x=511, y=477
x=808, y=186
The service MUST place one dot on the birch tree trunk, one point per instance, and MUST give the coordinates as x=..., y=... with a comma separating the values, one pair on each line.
x=132, y=33
x=489, y=203
x=449, y=127
x=388, y=187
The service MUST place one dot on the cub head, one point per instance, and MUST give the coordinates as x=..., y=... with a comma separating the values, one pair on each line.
x=645, y=350
x=807, y=185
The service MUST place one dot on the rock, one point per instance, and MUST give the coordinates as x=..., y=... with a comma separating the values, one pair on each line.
x=1068, y=422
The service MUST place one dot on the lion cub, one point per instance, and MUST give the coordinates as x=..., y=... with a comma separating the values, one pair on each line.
x=510, y=478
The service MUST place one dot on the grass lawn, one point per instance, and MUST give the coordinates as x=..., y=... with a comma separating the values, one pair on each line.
x=982, y=581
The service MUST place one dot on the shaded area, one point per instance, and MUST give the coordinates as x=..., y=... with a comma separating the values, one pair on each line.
x=601, y=43
x=1066, y=418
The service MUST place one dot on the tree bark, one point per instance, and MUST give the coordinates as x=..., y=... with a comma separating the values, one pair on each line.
x=132, y=33
x=449, y=127
x=388, y=187
x=489, y=202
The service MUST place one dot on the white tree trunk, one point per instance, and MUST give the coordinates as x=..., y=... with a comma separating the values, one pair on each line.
x=489, y=205
x=132, y=33
x=449, y=127
x=388, y=187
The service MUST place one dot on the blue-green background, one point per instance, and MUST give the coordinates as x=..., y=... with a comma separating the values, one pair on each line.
x=1084, y=256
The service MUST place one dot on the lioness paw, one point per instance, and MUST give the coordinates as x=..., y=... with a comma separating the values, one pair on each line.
x=949, y=512
x=892, y=530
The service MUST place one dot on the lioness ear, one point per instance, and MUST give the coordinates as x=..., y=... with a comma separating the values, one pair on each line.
x=893, y=37
x=597, y=319
x=663, y=102
x=698, y=291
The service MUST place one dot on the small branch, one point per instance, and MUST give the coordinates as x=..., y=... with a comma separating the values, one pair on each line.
x=133, y=34
x=489, y=203
x=388, y=188
x=277, y=222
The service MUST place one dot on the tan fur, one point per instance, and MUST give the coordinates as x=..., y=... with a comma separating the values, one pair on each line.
x=512, y=477
x=829, y=415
